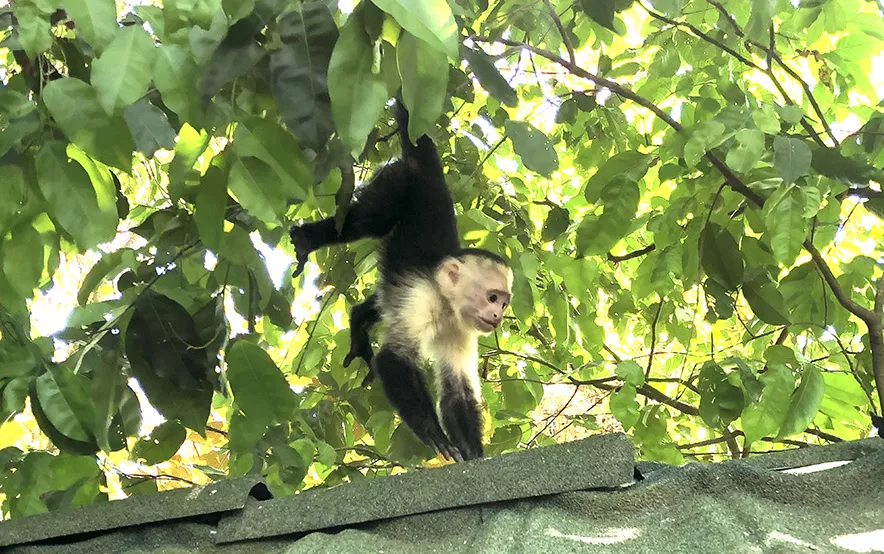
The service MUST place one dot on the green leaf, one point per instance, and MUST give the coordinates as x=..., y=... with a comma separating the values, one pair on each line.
x=489, y=77
x=12, y=194
x=26, y=257
x=832, y=163
x=270, y=143
x=766, y=301
x=786, y=226
x=630, y=373
x=173, y=76
x=805, y=402
x=64, y=398
x=94, y=20
x=257, y=187
x=86, y=209
x=32, y=17
x=600, y=11
x=632, y=165
x=122, y=73
x=108, y=383
x=160, y=341
x=163, y=442
x=667, y=62
x=597, y=235
x=190, y=145
x=533, y=147
x=760, y=20
x=424, y=73
x=124, y=257
x=259, y=388
x=791, y=158
x=299, y=72
x=766, y=120
x=706, y=136
x=747, y=152
x=357, y=93
x=669, y=7
x=149, y=126
x=211, y=201
x=517, y=396
x=624, y=406
x=74, y=106
x=429, y=20
x=557, y=221
x=233, y=58
x=722, y=260
x=721, y=402
x=765, y=417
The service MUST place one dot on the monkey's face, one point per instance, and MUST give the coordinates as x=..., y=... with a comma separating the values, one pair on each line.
x=486, y=296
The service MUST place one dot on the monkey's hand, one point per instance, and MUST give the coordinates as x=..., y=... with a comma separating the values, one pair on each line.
x=302, y=248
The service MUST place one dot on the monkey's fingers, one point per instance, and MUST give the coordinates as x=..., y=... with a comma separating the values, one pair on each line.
x=436, y=439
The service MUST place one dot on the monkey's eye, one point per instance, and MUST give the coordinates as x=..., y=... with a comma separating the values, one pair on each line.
x=492, y=298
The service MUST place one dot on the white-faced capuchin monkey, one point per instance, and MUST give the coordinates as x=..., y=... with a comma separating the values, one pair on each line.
x=434, y=297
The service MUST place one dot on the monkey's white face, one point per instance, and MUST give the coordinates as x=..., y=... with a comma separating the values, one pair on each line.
x=479, y=290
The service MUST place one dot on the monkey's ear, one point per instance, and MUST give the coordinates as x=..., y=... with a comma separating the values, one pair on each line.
x=449, y=274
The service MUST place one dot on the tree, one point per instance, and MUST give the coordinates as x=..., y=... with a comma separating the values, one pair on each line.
x=689, y=192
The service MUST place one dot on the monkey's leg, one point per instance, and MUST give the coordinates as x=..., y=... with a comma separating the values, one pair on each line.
x=407, y=391
x=461, y=414
x=362, y=317
x=375, y=210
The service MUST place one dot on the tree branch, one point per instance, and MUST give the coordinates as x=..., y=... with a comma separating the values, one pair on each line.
x=730, y=177
x=558, y=23
x=622, y=258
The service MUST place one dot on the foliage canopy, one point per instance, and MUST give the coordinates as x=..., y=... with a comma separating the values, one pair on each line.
x=689, y=192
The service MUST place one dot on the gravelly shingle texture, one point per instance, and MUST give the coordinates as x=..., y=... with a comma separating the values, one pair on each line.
x=731, y=507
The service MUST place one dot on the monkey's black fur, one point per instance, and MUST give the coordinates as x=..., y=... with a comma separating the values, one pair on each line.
x=409, y=207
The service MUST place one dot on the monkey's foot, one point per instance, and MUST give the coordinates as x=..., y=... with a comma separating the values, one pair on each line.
x=434, y=437
x=302, y=248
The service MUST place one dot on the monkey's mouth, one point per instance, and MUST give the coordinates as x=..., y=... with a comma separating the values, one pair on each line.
x=487, y=325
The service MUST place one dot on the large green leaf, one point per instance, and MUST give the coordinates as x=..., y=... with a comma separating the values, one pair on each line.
x=163, y=442
x=29, y=255
x=805, y=402
x=535, y=148
x=161, y=341
x=424, y=73
x=95, y=20
x=791, y=158
x=747, y=152
x=491, y=80
x=786, y=226
x=122, y=73
x=766, y=301
x=764, y=418
x=12, y=194
x=64, y=398
x=721, y=402
x=86, y=209
x=75, y=107
x=631, y=164
x=149, y=126
x=299, y=72
x=760, y=20
x=429, y=20
x=235, y=56
x=722, y=259
x=597, y=235
x=32, y=17
x=259, y=389
x=624, y=406
x=211, y=201
x=270, y=143
x=188, y=148
x=600, y=11
x=173, y=76
x=257, y=188
x=357, y=93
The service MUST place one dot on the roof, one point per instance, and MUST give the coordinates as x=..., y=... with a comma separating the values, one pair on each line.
x=575, y=497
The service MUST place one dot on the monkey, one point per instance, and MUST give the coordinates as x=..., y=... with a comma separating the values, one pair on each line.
x=433, y=297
